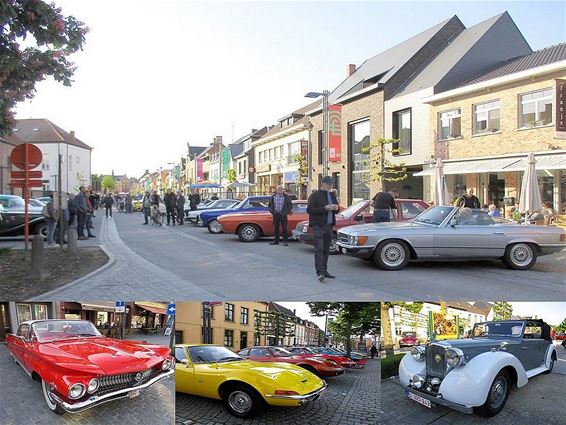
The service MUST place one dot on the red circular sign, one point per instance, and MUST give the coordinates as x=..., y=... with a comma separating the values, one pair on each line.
x=34, y=156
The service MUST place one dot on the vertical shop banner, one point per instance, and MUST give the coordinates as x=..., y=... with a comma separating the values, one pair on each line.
x=335, y=133
x=443, y=326
x=200, y=176
x=560, y=109
x=225, y=162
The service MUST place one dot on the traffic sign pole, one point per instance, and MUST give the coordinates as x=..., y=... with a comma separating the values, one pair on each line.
x=26, y=197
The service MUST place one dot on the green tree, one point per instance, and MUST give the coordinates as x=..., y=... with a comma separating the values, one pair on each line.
x=561, y=327
x=381, y=168
x=108, y=183
x=502, y=311
x=231, y=175
x=49, y=38
x=352, y=318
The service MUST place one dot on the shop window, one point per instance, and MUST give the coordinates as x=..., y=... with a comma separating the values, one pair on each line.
x=402, y=132
x=486, y=118
x=449, y=124
x=228, y=338
x=535, y=109
x=359, y=138
x=23, y=312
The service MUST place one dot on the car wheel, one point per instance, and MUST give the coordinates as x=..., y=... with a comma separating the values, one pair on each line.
x=51, y=404
x=552, y=360
x=214, y=227
x=520, y=256
x=391, y=255
x=242, y=401
x=40, y=229
x=496, y=396
x=334, y=248
x=249, y=232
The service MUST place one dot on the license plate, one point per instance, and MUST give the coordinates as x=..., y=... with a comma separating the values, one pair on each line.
x=419, y=400
x=133, y=393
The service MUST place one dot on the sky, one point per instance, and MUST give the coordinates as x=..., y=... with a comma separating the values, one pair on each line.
x=303, y=311
x=156, y=75
x=552, y=313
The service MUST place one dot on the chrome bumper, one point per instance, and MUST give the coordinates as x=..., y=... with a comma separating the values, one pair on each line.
x=306, y=398
x=437, y=400
x=115, y=395
x=361, y=251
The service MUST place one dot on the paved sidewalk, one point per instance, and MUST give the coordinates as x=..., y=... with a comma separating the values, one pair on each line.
x=130, y=277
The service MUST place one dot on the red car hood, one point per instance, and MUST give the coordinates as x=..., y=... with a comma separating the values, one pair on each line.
x=103, y=355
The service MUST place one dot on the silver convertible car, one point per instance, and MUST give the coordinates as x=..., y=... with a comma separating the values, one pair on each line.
x=450, y=233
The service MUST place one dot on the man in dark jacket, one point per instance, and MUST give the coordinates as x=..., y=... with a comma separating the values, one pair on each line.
x=469, y=200
x=194, y=200
x=180, y=205
x=280, y=206
x=383, y=203
x=170, y=201
x=322, y=207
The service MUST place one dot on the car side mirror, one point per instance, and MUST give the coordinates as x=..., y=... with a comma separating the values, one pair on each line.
x=453, y=222
x=359, y=217
x=184, y=361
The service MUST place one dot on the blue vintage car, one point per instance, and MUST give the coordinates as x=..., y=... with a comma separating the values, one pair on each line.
x=250, y=204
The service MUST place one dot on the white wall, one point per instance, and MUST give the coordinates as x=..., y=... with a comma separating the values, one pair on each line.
x=75, y=170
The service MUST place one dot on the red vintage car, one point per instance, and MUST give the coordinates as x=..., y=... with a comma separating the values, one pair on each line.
x=254, y=225
x=343, y=361
x=79, y=368
x=320, y=367
x=408, y=339
x=360, y=212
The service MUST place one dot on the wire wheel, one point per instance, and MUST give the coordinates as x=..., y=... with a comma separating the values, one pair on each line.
x=520, y=256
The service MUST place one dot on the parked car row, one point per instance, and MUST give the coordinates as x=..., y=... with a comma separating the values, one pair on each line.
x=12, y=213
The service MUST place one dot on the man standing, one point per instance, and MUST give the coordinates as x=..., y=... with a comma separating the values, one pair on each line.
x=82, y=210
x=194, y=200
x=280, y=206
x=180, y=204
x=469, y=200
x=383, y=202
x=170, y=205
x=322, y=207
x=146, y=206
x=108, y=202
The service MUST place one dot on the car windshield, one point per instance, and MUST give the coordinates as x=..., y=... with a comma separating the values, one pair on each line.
x=212, y=354
x=52, y=330
x=497, y=329
x=409, y=334
x=352, y=209
x=433, y=215
x=280, y=352
x=12, y=202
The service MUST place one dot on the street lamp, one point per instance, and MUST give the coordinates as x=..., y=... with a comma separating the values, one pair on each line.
x=325, y=94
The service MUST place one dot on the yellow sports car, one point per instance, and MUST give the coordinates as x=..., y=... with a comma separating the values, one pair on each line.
x=215, y=372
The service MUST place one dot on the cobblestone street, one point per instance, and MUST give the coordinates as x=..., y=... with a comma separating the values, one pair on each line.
x=352, y=398
x=22, y=402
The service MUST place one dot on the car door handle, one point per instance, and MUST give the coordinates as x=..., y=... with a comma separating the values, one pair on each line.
x=498, y=233
x=523, y=347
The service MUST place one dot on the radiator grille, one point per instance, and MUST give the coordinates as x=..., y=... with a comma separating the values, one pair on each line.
x=118, y=382
x=435, y=361
x=342, y=238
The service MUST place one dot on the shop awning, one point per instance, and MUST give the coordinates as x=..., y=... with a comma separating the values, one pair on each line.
x=499, y=165
x=152, y=309
x=99, y=306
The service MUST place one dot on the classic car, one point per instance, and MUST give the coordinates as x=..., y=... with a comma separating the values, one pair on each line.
x=251, y=226
x=450, y=233
x=477, y=373
x=318, y=366
x=244, y=385
x=342, y=361
x=37, y=203
x=359, y=361
x=561, y=336
x=209, y=218
x=219, y=204
x=359, y=213
x=408, y=339
x=12, y=213
x=79, y=368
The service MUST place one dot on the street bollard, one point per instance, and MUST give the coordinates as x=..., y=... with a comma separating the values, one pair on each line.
x=37, y=256
x=72, y=249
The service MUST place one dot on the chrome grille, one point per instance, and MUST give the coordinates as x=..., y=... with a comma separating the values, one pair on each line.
x=342, y=237
x=435, y=361
x=118, y=382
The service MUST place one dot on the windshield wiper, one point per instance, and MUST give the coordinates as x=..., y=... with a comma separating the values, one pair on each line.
x=228, y=359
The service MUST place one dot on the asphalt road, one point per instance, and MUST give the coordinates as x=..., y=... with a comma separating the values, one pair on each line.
x=350, y=399
x=539, y=402
x=22, y=402
x=230, y=269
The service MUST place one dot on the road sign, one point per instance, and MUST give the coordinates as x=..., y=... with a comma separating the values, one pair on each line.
x=36, y=174
x=167, y=331
x=30, y=183
x=34, y=156
x=171, y=309
x=120, y=307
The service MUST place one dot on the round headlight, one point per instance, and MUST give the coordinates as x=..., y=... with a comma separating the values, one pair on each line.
x=76, y=391
x=454, y=357
x=418, y=353
x=92, y=385
x=166, y=364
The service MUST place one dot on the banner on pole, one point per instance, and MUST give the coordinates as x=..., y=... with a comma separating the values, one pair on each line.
x=335, y=133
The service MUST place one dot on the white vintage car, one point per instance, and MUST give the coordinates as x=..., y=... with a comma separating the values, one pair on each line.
x=477, y=373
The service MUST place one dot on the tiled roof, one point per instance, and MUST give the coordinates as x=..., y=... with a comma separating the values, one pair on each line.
x=538, y=58
x=36, y=130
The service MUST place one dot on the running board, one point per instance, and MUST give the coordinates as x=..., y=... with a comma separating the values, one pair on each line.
x=536, y=371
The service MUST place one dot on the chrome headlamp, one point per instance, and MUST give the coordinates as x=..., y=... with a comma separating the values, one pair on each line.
x=166, y=365
x=454, y=357
x=418, y=353
x=92, y=385
x=76, y=391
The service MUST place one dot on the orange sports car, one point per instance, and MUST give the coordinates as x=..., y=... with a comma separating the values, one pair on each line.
x=254, y=225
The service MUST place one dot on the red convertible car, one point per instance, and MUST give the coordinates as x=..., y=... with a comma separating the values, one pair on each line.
x=360, y=212
x=79, y=368
x=320, y=367
x=254, y=225
x=343, y=361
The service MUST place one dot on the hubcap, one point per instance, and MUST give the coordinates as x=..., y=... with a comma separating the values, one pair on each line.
x=249, y=232
x=392, y=254
x=216, y=226
x=497, y=392
x=521, y=254
x=240, y=401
